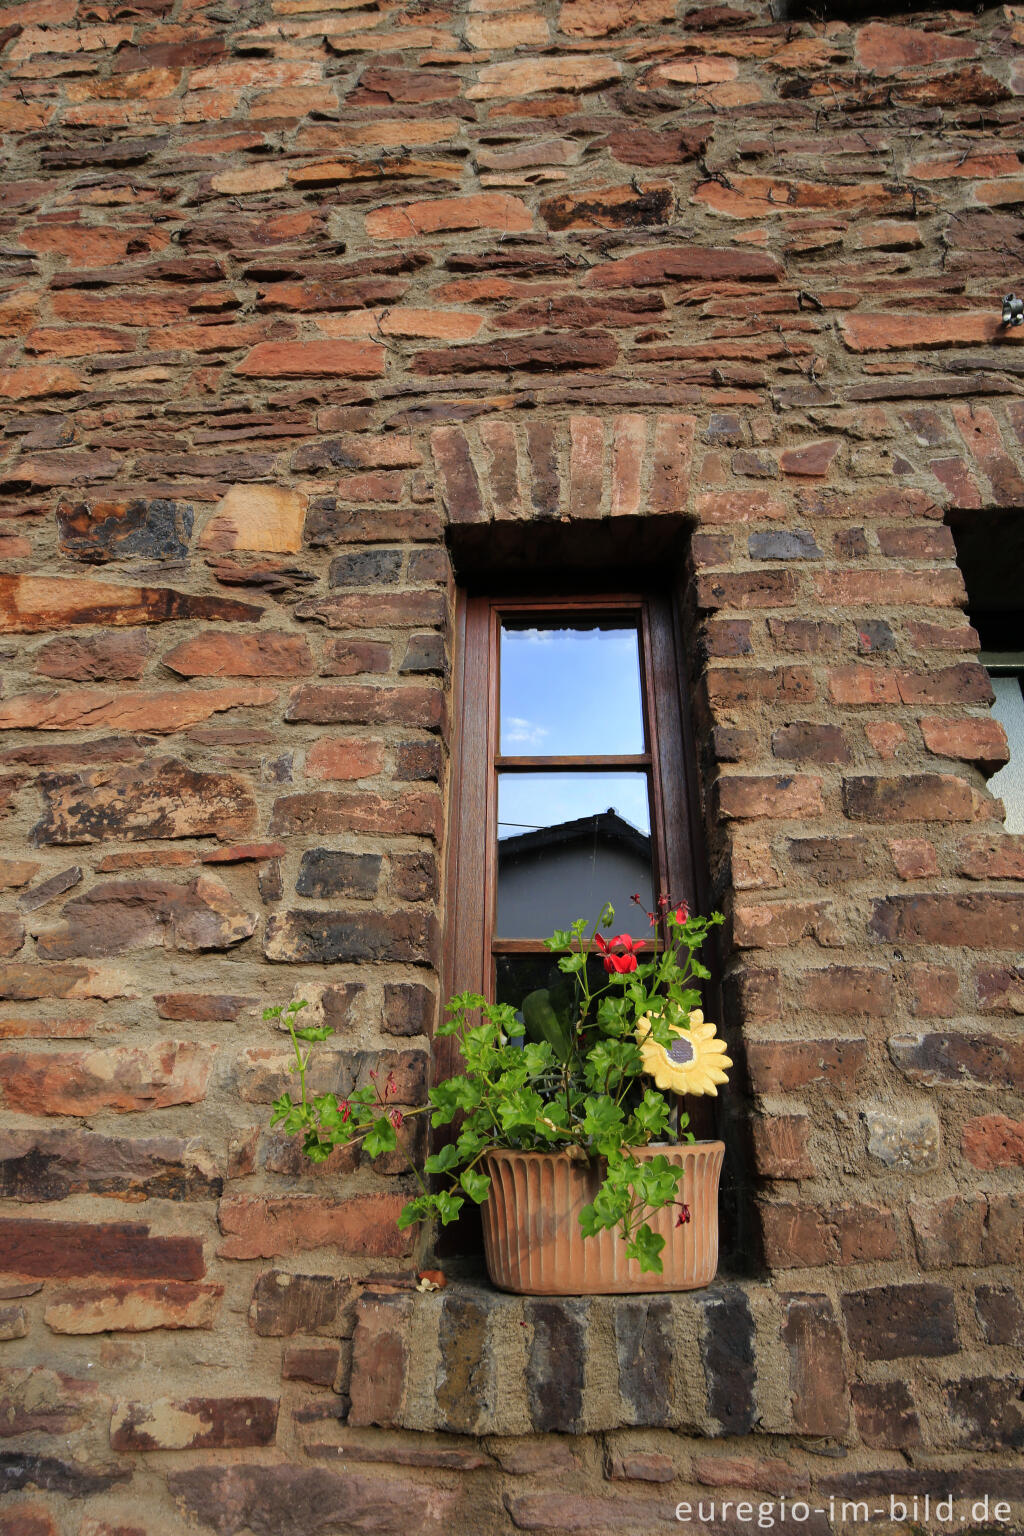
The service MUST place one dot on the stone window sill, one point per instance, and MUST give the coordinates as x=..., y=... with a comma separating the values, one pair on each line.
x=474, y=1361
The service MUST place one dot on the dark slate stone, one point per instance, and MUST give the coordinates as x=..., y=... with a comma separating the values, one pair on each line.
x=424, y=653
x=874, y=635
x=554, y=1372
x=890, y=1322
x=987, y=1412
x=320, y=938
x=728, y=1353
x=366, y=568
x=327, y=873
x=781, y=545
x=100, y=531
x=51, y=1475
x=408, y=1009
x=643, y=1343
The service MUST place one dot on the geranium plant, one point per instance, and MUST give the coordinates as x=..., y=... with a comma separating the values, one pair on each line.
x=570, y=1070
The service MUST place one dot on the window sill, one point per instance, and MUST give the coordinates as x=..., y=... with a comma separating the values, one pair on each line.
x=474, y=1361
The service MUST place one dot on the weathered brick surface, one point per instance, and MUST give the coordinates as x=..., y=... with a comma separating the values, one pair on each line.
x=287, y=297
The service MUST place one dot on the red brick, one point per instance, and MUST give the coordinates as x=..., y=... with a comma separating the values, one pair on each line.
x=780, y=1066
x=989, y=920
x=344, y=759
x=886, y=737
x=957, y=1060
x=914, y=858
x=967, y=683
x=486, y=210
x=355, y=704
x=798, y=1236
x=90, y=708
x=313, y=360
x=991, y=858
x=728, y=686
x=970, y=740
x=934, y=990
x=891, y=588
x=778, y=924
x=86, y=1082
x=911, y=797
x=807, y=743
x=235, y=655
x=788, y=796
x=760, y=589
x=895, y=332
x=849, y=990
x=814, y=460
x=132, y=1306
x=817, y=1373
x=862, y=685
x=95, y=658
x=258, y=1227
x=1001, y=988
x=781, y=1146
x=29, y=604
x=739, y=506
x=805, y=634
x=670, y=469
x=993, y=1141
x=58, y=1250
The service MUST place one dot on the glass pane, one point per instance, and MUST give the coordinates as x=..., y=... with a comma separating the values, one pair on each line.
x=1008, y=783
x=567, y=843
x=516, y=975
x=570, y=692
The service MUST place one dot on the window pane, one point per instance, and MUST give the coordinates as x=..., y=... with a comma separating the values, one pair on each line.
x=516, y=975
x=1008, y=783
x=570, y=691
x=567, y=843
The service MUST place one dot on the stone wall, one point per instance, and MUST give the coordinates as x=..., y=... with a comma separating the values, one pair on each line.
x=292, y=288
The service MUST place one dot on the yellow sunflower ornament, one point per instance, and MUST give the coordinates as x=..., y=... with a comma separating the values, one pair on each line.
x=693, y=1063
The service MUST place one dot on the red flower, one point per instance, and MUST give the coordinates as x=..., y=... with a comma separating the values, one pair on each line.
x=626, y=960
x=682, y=913
x=684, y=1215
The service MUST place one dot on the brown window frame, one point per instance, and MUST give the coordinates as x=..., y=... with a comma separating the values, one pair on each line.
x=472, y=851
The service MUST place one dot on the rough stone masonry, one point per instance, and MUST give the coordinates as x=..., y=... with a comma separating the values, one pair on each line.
x=292, y=288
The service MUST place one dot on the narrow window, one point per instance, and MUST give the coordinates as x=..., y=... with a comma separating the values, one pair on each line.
x=571, y=783
x=990, y=554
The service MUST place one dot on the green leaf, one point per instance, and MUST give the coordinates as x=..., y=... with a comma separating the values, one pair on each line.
x=544, y=1024
x=315, y=1032
x=645, y=1247
x=443, y=1161
x=381, y=1138
x=602, y=1121
x=447, y=1206
x=477, y=1185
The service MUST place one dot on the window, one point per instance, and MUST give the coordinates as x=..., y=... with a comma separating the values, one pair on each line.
x=1006, y=669
x=571, y=781
x=990, y=553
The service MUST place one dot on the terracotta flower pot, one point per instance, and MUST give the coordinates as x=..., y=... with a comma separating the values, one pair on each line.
x=532, y=1237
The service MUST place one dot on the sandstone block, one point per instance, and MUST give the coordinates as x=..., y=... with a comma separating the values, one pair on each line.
x=130, y=1306
x=257, y=517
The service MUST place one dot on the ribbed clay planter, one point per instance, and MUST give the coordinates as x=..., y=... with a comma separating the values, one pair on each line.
x=532, y=1237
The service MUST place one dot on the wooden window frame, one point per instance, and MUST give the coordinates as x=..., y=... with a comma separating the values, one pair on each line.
x=472, y=844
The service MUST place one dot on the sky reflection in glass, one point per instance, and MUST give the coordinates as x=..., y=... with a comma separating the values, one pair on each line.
x=570, y=692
